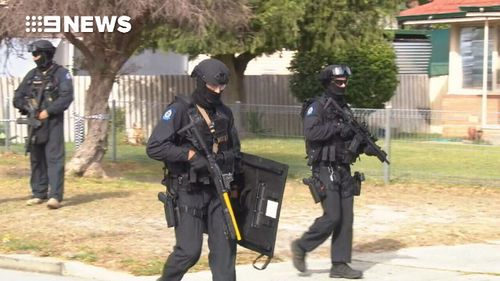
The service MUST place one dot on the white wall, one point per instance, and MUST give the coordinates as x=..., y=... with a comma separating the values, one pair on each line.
x=156, y=62
x=148, y=62
x=274, y=64
x=16, y=61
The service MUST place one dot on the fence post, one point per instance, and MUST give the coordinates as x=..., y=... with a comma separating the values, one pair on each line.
x=237, y=118
x=7, y=124
x=6, y=121
x=113, y=130
x=387, y=142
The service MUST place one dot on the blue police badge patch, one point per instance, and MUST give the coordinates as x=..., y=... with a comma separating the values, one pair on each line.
x=68, y=76
x=168, y=114
x=310, y=111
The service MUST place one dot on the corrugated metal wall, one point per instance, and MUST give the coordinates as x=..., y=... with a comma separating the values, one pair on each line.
x=412, y=57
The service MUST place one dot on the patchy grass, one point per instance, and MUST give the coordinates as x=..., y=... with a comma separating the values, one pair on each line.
x=118, y=223
x=21, y=245
x=86, y=255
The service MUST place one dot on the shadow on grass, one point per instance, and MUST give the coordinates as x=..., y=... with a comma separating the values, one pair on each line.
x=13, y=199
x=380, y=245
x=87, y=198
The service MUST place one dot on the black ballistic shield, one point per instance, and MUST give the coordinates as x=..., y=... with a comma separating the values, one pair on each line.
x=260, y=203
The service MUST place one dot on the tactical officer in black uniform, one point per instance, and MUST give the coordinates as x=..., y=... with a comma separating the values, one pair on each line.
x=188, y=180
x=47, y=91
x=327, y=140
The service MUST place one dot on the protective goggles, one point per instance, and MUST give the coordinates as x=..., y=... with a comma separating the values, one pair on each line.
x=32, y=48
x=341, y=70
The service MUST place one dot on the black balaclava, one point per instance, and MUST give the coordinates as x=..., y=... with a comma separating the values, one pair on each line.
x=46, y=51
x=45, y=61
x=334, y=90
x=204, y=97
x=327, y=77
x=213, y=72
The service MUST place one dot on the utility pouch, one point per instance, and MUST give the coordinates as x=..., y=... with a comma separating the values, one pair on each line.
x=172, y=213
x=358, y=178
x=318, y=190
x=41, y=133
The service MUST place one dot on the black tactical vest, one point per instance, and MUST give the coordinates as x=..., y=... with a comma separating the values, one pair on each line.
x=43, y=87
x=217, y=132
x=332, y=150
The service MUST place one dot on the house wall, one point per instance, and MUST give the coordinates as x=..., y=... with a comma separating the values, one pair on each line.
x=438, y=88
x=273, y=64
x=462, y=107
x=463, y=112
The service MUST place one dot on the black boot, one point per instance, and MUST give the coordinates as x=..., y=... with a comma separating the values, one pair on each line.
x=299, y=256
x=342, y=270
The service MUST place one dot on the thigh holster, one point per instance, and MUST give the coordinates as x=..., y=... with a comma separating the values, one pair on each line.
x=195, y=212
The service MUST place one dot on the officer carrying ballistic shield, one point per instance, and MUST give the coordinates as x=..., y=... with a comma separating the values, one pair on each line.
x=193, y=132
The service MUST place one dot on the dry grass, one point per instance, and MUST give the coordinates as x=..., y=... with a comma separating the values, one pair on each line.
x=118, y=223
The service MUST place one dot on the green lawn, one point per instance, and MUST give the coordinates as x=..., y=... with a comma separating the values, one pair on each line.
x=410, y=161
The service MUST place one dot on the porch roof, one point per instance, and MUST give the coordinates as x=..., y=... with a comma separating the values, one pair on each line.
x=446, y=11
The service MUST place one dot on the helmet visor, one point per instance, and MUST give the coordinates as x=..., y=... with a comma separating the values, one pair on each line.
x=32, y=48
x=341, y=70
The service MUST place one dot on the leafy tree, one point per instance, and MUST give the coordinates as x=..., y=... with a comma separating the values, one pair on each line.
x=272, y=27
x=372, y=83
x=105, y=53
x=349, y=32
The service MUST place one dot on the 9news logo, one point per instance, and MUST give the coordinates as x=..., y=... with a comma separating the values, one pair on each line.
x=84, y=24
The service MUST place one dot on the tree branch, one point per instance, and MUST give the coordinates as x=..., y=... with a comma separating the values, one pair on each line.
x=243, y=59
x=80, y=45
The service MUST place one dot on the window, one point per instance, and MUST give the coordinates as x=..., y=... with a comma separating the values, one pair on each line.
x=471, y=52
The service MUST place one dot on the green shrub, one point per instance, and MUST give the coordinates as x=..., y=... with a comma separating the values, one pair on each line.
x=119, y=119
x=374, y=78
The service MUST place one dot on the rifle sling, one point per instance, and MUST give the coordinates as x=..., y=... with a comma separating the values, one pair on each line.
x=210, y=124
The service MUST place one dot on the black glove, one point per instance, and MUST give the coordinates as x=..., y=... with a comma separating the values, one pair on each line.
x=345, y=131
x=199, y=163
x=370, y=150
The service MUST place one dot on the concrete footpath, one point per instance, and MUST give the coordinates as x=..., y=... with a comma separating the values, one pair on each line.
x=476, y=262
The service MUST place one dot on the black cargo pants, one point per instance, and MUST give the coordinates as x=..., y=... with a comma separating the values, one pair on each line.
x=337, y=219
x=189, y=237
x=47, y=163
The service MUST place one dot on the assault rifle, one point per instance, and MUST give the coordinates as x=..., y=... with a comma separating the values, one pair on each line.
x=361, y=133
x=221, y=181
x=32, y=122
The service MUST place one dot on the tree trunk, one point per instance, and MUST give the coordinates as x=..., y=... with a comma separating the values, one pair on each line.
x=87, y=159
x=237, y=66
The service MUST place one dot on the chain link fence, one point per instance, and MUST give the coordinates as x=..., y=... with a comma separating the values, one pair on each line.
x=423, y=145
x=452, y=150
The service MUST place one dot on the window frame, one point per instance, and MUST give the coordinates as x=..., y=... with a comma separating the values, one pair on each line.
x=455, y=85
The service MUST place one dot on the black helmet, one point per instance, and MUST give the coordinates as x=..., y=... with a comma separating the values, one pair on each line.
x=41, y=46
x=211, y=71
x=44, y=51
x=334, y=70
